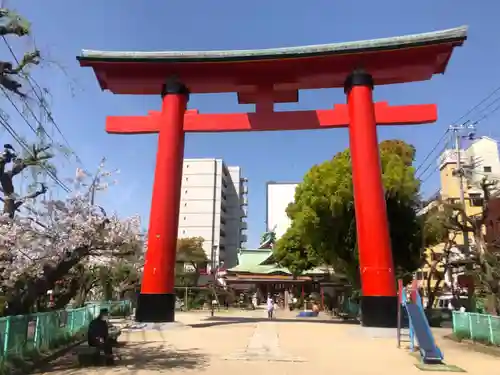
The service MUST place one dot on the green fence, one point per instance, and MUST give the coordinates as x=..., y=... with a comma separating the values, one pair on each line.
x=350, y=308
x=477, y=327
x=44, y=331
x=116, y=308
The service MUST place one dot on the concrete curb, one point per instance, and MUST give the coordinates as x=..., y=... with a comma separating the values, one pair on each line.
x=475, y=346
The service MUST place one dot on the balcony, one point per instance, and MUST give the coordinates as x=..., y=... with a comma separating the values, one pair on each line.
x=243, y=225
x=450, y=157
x=243, y=238
x=244, y=186
x=222, y=240
x=244, y=200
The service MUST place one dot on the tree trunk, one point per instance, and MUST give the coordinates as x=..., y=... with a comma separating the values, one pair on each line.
x=22, y=298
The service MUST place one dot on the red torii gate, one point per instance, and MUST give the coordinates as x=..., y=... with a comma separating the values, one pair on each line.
x=266, y=77
x=338, y=117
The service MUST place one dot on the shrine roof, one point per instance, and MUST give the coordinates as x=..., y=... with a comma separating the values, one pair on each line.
x=389, y=60
x=254, y=261
x=259, y=269
x=248, y=258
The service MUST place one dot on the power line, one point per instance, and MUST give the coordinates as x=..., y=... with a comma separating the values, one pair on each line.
x=485, y=116
x=26, y=147
x=478, y=104
x=40, y=126
x=41, y=101
x=469, y=122
x=434, y=170
x=433, y=149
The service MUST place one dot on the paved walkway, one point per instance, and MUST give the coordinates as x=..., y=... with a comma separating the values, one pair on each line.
x=244, y=343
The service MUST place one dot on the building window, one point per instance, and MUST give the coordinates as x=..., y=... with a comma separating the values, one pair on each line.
x=487, y=169
x=185, y=191
x=475, y=200
x=419, y=275
x=187, y=165
x=184, y=218
x=187, y=179
x=185, y=204
x=183, y=231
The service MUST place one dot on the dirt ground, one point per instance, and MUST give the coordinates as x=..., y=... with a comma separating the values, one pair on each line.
x=247, y=343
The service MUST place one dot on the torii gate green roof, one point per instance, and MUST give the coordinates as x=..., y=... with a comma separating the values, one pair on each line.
x=457, y=34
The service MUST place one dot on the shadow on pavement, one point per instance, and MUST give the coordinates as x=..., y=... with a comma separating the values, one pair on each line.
x=225, y=320
x=134, y=357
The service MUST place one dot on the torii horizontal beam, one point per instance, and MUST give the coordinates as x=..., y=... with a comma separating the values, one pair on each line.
x=338, y=117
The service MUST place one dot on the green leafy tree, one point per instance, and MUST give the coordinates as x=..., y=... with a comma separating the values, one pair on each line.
x=437, y=259
x=482, y=258
x=190, y=253
x=323, y=216
x=292, y=253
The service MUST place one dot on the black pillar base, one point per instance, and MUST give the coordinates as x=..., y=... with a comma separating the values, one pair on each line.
x=379, y=311
x=155, y=308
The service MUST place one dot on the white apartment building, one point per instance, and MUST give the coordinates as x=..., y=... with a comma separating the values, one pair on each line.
x=483, y=160
x=213, y=206
x=278, y=196
x=479, y=160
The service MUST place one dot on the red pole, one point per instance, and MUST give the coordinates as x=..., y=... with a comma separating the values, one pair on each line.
x=157, y=299
x=379, y=297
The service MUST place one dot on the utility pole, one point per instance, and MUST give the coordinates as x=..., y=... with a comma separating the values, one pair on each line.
x=93, y=187
x=459, y=173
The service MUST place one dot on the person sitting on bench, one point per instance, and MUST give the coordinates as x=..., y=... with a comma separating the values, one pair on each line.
x=98, y=336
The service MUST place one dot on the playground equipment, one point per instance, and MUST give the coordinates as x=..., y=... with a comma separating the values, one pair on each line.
x=418, y=325
x=264, y=78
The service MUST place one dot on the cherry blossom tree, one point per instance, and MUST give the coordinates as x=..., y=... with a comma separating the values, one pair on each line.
x=48, y=248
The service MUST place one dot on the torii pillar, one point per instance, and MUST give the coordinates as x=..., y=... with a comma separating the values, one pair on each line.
x=156, y=302
x=379, y=295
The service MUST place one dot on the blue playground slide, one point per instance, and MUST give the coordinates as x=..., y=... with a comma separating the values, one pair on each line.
x=420, y=326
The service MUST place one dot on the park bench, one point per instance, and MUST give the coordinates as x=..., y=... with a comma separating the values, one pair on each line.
x=91, y=356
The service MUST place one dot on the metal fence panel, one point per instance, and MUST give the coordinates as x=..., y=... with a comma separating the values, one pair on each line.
x=44, y=331
x=478, y=327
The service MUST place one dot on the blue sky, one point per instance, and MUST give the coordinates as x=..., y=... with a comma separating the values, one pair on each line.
x=62, y=28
